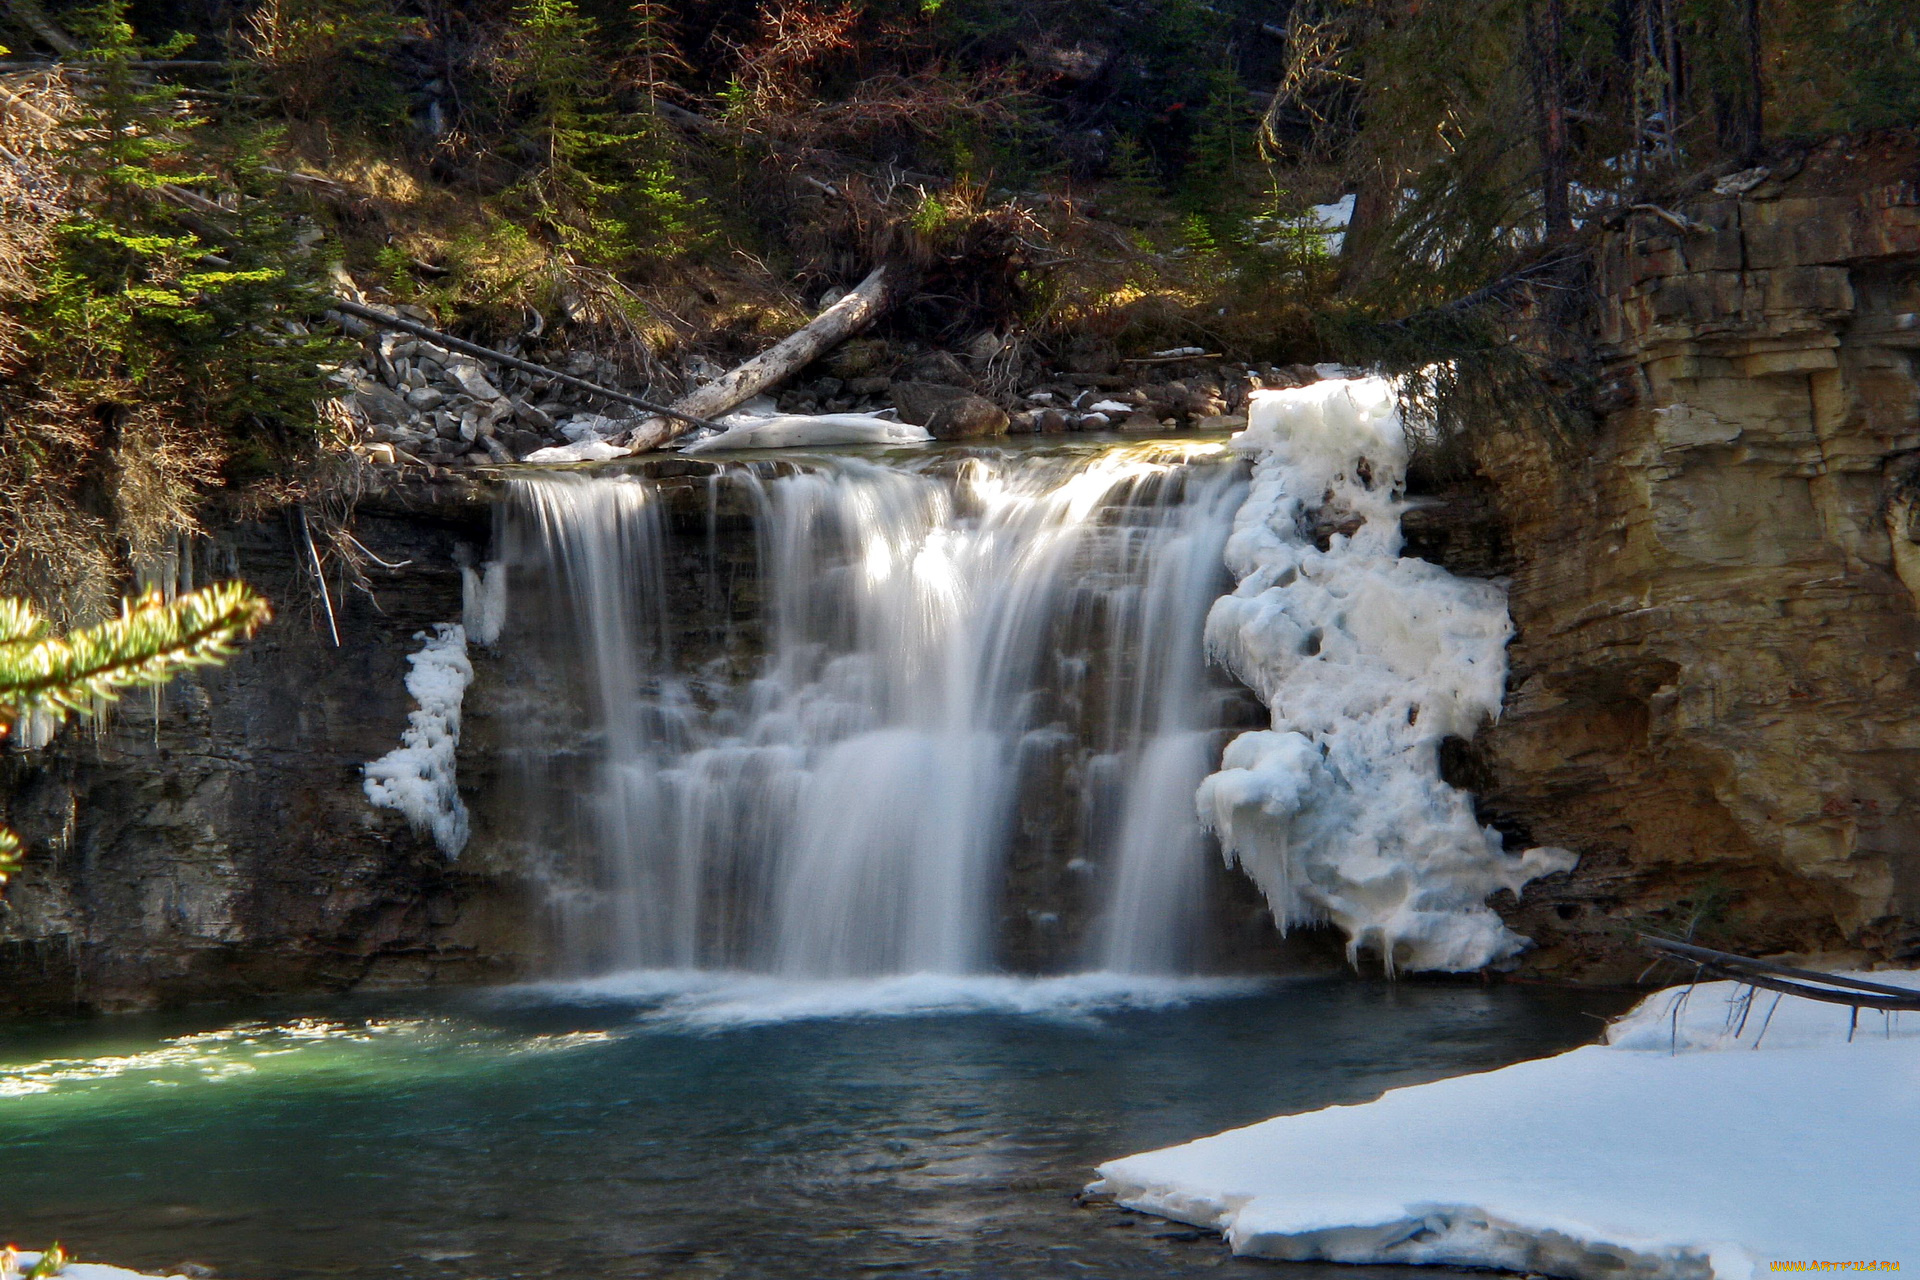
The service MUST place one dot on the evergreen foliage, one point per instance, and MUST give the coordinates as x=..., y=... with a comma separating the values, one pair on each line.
x=146, y=299
x=50, y=678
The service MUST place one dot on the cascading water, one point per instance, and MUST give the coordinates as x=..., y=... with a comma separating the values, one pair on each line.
x=951, y=649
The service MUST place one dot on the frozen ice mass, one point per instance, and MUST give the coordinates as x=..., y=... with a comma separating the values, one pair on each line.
x=1367, y=660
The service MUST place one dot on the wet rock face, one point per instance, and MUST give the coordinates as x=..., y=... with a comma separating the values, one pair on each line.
x=1715, y=694
x=215, y=842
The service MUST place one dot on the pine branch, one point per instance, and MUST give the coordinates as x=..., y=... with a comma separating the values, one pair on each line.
x=148, y=644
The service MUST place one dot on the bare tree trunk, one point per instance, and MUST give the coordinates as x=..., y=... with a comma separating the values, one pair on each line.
x=774, y=365
x=1373, y=199
x=1756, y=114
x=1546, y=56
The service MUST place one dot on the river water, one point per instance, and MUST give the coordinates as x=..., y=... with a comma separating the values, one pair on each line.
x=694, y=1126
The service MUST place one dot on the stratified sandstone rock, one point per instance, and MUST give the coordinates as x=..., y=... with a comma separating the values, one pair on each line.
x=1715, y=694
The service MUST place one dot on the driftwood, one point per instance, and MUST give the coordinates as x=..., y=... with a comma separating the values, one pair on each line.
x=1765, y=974
x=447, y=340
x=777, y=363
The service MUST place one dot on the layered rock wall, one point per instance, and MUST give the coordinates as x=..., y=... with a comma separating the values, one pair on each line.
x=1715, y=694
x=213, y=840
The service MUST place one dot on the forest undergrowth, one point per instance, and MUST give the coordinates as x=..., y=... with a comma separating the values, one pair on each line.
x=671, y=186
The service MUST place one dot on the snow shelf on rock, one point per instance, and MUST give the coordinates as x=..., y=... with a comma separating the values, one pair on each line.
x=1609, y=1161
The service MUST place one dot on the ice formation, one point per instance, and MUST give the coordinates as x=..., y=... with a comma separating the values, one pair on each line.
x=1603, y=1163
x=809, y=431
x=417, y=778
x=483, y=601
x=1367, y=660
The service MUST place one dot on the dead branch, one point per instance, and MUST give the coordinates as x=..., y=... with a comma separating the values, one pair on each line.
x=777, y=363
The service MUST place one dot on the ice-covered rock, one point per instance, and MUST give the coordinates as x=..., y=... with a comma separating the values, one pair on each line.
x=1367, y=660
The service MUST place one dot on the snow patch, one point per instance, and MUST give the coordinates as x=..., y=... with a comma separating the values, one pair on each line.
x=1333, y=220
x=1367, y=660
x=1711, y=1016
x=706, y=999
x=809, y=431
x=591, y=450
x=1607, y=1163
x=25, y=1261
x=417, y=778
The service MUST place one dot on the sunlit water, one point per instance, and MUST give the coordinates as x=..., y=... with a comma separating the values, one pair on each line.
x=690, y=1125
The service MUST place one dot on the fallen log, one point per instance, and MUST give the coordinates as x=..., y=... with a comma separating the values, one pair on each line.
x=776, y=364
x=374, y=316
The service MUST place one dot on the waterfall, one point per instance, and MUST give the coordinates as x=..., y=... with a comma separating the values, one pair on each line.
x=947, y=655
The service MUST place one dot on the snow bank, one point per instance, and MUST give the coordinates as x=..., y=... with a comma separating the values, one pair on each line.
x=807, y=431
x=1726, y=1015
x=417, y=778
x=1367, y=660
x=1606, y=1162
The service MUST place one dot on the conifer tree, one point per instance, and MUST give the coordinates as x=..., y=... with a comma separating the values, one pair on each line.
x=149, y=300
x=49, y=678
x=573, y=142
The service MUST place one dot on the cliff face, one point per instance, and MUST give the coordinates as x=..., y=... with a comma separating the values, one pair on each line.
x=214, y=842
x=1715, y=694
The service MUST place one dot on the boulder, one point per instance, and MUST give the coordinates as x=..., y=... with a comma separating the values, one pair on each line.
x=984, y=346
x=532, y=416
x=967, y=417
x=917, y=401
x=381, y=405
x=472, y=380
x=1049, y=422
